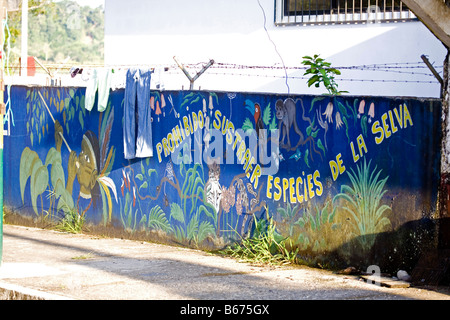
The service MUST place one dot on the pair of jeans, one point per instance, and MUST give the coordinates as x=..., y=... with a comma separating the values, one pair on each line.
x=137, y=126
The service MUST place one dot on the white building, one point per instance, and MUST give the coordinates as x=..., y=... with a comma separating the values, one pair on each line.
x=255, y=44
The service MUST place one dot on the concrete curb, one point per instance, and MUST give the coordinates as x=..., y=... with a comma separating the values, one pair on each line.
x=14, y=292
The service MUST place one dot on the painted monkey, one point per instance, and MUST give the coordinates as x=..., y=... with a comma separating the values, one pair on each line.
x=287, y=115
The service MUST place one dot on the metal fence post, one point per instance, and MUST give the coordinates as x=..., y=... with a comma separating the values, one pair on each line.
x=2, y=111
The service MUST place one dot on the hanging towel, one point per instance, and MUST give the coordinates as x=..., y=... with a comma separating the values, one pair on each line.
x=138, y=142
x=100, y=80
x=104, y=86
x=91, y=90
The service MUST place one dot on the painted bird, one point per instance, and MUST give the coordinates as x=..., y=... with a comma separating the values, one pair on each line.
x=255, y=109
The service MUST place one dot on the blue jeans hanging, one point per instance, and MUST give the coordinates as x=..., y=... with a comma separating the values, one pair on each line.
x=138, y=141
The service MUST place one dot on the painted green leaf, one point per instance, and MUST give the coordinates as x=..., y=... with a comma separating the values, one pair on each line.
x=57, y=174
x=142, y=167
x=176, y=212
x=267, y=115
x=26, y=161
x=204, y=230
x=81, y=119
x=150, y=171
x=306, y=157
x=248, y=125
x=192, y=228
x=157, y=220
x=273, y=124
x=39, y=183
x=65, y=202
x=320, y=145
x=144, y=185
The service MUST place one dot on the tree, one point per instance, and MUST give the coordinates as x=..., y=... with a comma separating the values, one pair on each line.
x=58, y=30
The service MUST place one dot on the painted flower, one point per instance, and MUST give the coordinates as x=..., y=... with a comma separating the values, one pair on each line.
x=339, y=122
x=152, y=103
x=371, y=112
x=329, y=112
x=239, y=204
x=211, y=105
x=125, y=182
x=362, y=105
x=228, y=198
x=163, y=104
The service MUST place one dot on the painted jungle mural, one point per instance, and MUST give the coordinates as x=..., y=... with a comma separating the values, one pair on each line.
x=331, y=172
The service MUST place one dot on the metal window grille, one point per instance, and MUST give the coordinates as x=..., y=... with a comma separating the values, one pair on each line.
x=320, y=12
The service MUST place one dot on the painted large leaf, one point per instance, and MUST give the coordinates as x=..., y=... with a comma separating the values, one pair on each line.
x=157, y=220
x=39, y=183
x=205, y=229
x=25, y=168
x=176, y=212
x=65, y=202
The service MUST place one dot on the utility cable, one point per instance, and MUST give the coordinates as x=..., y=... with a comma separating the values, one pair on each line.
x=275, y=46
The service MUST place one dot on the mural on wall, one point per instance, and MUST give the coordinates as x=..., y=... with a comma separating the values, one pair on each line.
x=328, y=170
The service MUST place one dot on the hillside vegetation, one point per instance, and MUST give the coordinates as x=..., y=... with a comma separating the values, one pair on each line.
x=58, y=30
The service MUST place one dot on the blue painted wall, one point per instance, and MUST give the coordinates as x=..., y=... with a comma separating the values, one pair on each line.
x=333, y=174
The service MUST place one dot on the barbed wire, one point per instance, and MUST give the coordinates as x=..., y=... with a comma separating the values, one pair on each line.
x=398, y=68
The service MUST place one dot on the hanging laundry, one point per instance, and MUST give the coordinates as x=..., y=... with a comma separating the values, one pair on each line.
x=104, y=86
x=74, y=71
x=99, y=81
x=91, y=90
x=137, y=104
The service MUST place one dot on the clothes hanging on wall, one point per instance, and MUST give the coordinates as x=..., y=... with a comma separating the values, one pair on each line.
x=138, y=141
x=99, y=81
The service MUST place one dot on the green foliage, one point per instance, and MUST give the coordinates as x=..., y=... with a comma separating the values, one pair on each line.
x=313, y=226
x=322, y=73
x=288, y=214
x=128, y=213
x=31, y=167
x=186, y=223
x=265, y=246
x=72, y=221
x=247, y=126
x=156, y=220
x=58, y=30
x=363, y=202
x=267, y=115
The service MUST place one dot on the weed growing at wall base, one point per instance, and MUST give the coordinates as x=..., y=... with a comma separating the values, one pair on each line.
x=266, y=246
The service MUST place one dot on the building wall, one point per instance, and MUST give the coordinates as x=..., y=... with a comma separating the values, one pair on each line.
x=350, y=180
x=234, y=33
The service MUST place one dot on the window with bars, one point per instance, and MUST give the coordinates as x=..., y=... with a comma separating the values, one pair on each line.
x=307, y=12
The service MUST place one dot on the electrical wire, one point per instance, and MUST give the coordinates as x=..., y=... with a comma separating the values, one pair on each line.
x=275, y=46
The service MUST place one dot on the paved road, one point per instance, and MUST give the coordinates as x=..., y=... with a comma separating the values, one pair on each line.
x=51, y=265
